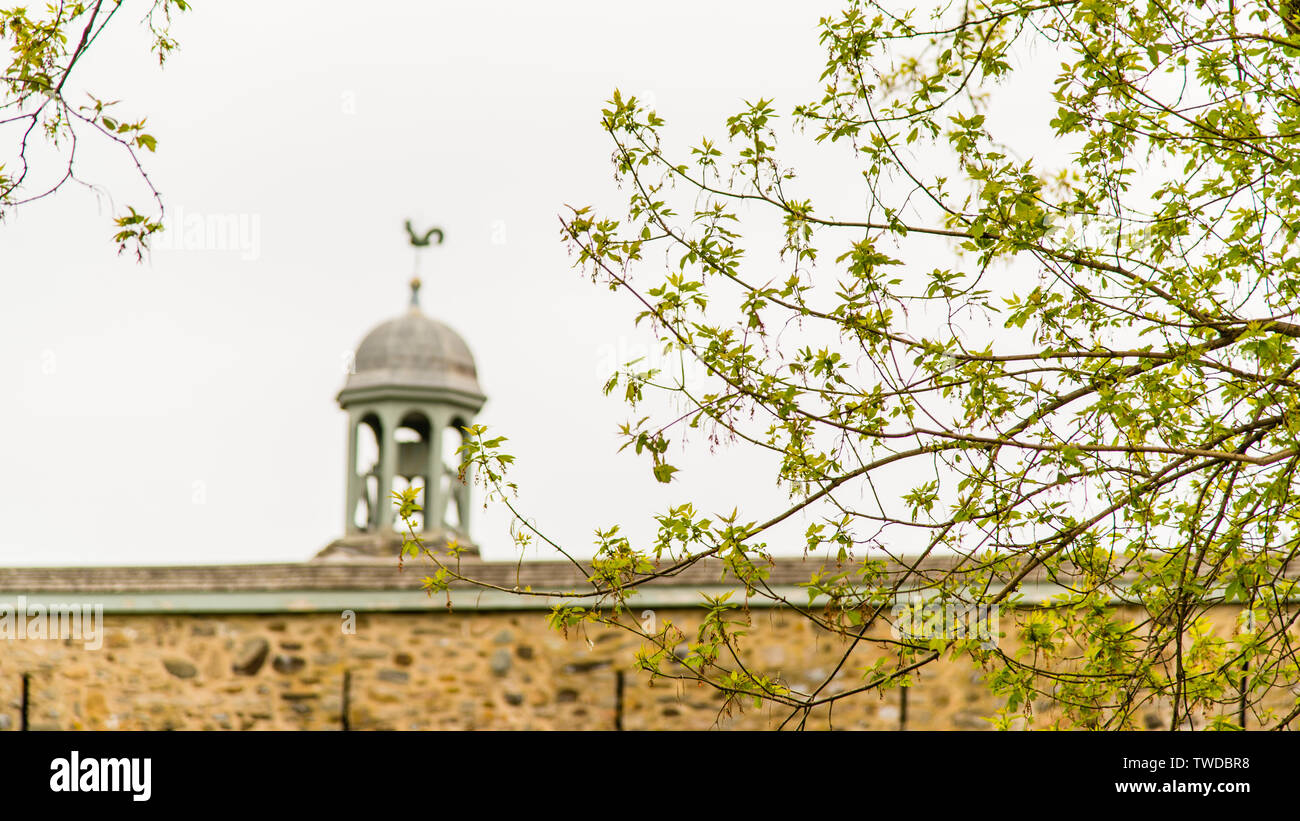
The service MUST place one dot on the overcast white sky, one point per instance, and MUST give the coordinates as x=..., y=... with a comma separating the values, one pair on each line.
x=182, y=410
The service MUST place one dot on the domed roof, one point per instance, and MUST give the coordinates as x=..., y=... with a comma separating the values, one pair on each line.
x=413, y=356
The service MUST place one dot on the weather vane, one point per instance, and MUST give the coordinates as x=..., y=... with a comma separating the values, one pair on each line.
x=418, y=243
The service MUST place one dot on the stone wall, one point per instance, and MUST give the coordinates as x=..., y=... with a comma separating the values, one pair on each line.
x=431, y=670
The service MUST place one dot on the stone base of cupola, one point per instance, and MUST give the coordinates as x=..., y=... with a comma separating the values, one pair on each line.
x=387, y=544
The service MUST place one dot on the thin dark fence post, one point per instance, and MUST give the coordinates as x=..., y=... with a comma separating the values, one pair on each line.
x=27, y=686
x=618, y=700
x=347, y=698
x=1245, y=686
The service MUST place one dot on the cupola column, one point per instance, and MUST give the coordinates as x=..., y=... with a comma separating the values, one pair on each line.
x=387, y=468
x=355, y=482
x=434, y=503
x=462, y=492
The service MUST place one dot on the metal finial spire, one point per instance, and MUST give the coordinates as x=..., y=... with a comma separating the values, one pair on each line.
x=419, y=243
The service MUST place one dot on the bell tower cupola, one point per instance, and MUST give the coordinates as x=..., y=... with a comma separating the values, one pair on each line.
x=411, y=390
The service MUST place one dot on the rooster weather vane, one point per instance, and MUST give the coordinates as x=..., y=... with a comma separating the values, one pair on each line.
x=423, y=242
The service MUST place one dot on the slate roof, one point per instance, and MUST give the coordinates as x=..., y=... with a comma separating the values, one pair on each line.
x=380, y=574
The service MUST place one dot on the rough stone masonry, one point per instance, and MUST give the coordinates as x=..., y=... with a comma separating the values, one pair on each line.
x=273, y=647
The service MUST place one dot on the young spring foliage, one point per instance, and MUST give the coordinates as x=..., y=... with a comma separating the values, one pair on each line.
x=1095, y=393
x=38, y=106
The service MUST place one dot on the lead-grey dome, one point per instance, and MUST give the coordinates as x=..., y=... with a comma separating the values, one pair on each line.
x=413, y=356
